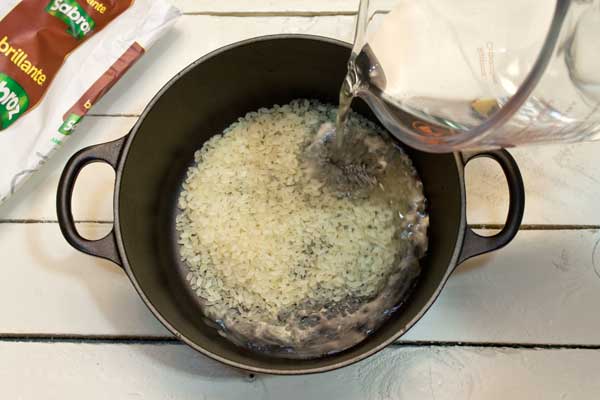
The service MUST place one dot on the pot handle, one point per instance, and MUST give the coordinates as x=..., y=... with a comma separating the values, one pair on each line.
x=475, y=244
x=107, y=246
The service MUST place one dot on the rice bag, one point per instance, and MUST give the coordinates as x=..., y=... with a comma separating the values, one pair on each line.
x=57, y=59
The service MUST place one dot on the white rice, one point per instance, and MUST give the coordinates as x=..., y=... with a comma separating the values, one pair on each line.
x=262, y=235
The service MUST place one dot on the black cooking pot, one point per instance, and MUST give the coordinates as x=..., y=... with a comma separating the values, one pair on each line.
x=151, y=162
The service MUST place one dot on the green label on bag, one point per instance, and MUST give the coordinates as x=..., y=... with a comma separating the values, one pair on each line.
x=13, y=101
x=67, y=127
x=71, y=13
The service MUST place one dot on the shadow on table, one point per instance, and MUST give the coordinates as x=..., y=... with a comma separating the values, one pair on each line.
x=473, y=264
x=185, y=360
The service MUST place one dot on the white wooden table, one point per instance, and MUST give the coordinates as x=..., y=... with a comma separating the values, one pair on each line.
x=521, y=323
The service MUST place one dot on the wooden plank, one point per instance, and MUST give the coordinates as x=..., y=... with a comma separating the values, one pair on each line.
x=93, y=192
x=101, y=371
x=194, y=36
x=543, y=288
x=48, y=287
x=293, y=7
x=552, y=174
x=562, y=183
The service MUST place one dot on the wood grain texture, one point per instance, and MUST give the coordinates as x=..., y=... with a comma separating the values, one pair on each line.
x=544, y=288
x=108, y=371
x=545, y=284
x=94, y=188
x=193, y=37
x=562, y=183
x=63, y=291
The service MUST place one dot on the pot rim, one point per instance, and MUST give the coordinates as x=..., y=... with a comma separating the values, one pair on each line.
x=274, y=371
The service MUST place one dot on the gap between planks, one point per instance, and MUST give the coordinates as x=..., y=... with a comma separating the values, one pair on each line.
x=128, y=340
x=524, y=227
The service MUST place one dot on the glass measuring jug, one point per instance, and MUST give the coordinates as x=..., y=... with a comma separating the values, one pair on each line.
x=446, y=75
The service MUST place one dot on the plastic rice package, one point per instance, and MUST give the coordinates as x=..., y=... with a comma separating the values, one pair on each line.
x=57, y=59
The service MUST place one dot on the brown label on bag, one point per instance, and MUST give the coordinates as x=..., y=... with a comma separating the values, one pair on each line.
x=35, y=38
x=98, y=89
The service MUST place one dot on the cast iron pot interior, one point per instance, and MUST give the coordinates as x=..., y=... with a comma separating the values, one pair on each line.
x=200, y=102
